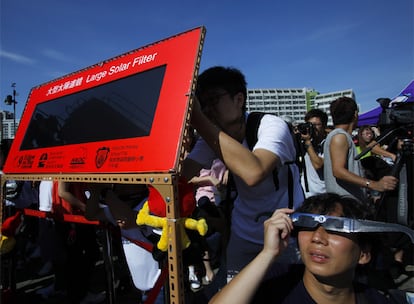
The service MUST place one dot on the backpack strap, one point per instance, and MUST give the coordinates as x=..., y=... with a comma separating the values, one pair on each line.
x=305, y=178
x=252, y=127
x=290, y=187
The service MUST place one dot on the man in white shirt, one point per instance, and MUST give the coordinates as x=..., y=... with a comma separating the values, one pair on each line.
x=219, y=116
x=313, y=133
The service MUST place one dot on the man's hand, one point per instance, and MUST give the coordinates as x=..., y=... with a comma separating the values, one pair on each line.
x=277, y=230
x=386, y=183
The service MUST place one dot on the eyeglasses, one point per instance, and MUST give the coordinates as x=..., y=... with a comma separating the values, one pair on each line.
x=212, y=99
x=346, y=225
x=316, y=124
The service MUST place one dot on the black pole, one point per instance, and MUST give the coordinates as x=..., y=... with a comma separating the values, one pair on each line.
x=14, y=113
x=14, y=110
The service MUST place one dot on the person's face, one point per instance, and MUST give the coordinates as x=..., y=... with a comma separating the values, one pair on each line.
x=367, y=135
x=330, y=254
x=223, y=108
x=317, y=124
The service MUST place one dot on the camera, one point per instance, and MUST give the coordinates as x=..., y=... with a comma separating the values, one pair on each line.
x=398, y=114
x=306, y=128
x=397, y=117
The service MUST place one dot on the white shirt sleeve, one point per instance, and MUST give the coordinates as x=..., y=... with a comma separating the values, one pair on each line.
x=274, y=135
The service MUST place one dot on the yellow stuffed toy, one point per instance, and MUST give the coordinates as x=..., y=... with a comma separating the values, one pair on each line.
x=153, y=214
x=6, y=244
x=8, y=231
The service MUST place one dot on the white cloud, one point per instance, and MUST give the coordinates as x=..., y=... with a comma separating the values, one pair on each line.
x=16, y=57
x=336, y=31
x=55, y=55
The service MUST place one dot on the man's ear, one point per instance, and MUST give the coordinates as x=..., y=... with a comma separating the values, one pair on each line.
x=356, y=114
x=365, y=256
x=239, y=97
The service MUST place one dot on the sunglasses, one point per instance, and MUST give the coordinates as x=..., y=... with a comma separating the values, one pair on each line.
x=212, y=99
x=346, y=225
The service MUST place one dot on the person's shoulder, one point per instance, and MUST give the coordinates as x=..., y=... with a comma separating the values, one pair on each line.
x=273, y=117
x=261, y=118
x=290, y=288
x=336, y=131
x=370, y=294
x=270, y=120
x=338, y=136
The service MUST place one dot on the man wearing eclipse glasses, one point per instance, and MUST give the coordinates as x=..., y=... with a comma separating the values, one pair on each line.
x=333, y=244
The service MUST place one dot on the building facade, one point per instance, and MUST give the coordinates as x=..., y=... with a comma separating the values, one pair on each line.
x=287, y=103
x=292, y=104
x=7, y=127
x=323, y=101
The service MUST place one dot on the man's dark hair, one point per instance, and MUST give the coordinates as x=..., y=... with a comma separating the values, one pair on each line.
x=343, y=110
x=327, y=202
x=229, y=79
x=319, y=114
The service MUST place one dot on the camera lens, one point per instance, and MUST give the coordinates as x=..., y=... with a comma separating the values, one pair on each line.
x=305, y=128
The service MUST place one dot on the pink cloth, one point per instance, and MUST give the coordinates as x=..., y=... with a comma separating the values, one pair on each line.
x=217, y=170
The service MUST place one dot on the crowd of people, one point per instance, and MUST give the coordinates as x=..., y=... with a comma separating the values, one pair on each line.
x=328, y=164
x=249, y=179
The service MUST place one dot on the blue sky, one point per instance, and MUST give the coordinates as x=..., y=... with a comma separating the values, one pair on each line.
x=364, y=45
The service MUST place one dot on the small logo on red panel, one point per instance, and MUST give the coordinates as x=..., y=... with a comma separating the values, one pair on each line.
x=25, y=161
x=79, y=157
x=42, y=160
x=101, y=156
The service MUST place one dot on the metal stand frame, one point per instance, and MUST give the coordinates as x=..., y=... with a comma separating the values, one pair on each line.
x=166, y=184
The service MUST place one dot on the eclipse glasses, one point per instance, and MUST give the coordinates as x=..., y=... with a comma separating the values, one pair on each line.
x=347, y=225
